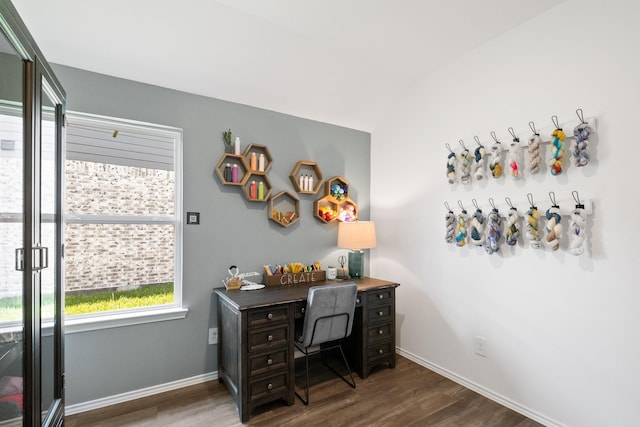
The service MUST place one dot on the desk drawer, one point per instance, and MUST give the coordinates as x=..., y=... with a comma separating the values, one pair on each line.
x=268, y=362
x=379, y=332
x=268, y=386
x=380, y=350
x=268, y=316
x=266, y=339
x=380, y=314
x=382, y=296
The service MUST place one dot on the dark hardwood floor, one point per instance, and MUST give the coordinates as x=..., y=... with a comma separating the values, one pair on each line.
x=409, y=395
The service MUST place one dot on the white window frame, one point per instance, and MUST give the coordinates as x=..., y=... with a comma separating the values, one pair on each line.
x=119, y=318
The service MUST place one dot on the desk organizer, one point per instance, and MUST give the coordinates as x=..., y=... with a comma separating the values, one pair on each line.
x=295, y=278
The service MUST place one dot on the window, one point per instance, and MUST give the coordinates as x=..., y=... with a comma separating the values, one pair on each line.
x=122, y=220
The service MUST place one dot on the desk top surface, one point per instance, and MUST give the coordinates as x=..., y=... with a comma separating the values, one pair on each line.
x=283, y=294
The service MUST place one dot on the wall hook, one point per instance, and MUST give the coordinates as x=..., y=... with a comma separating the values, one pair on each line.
x=449, y=148
x=576, y=197
x=552, y=197
x=477, y=140
x=554, y=119
x=580, y=115
x=513, y=135
x=475, y=203
x=532, y=126
x=462, y=207
x=508, y=200
x=495, y=138
x=463, y=146
x=446, y=205
x=530, y=199
x=493, y=205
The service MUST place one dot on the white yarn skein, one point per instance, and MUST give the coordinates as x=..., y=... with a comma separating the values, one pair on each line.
x=479, y=155
x=533, y=224
x=450, y=220
x=515, y=160
x=465, y=166
x=554, y=228
x=534, y=153
x=577, y=229
x=495, y=161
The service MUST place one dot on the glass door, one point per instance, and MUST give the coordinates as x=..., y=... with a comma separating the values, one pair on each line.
x=12, y=227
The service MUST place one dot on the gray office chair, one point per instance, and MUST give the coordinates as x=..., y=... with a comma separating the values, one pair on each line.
x=327, y=320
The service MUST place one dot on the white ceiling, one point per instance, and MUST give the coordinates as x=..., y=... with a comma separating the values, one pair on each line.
x=336, y=61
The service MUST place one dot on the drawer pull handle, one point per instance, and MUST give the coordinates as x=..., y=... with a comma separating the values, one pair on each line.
x=269, y=361
x=380, y=313
x=380, y=351
x=380, y=332
x=270, y=316
x=358, y=300
x=380, y=296
x=302, y=310
x=269, y=386
x=270, y=337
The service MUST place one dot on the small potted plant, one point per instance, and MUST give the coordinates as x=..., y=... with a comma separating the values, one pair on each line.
x=228, y=140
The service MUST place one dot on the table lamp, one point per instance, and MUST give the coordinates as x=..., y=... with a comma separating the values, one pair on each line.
x=356, y=236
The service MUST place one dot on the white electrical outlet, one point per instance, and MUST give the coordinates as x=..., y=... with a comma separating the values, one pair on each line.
x=481, y=346
x=213, y=335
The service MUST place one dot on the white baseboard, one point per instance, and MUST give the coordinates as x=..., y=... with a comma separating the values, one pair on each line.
x=137, y=394
x=489, y=394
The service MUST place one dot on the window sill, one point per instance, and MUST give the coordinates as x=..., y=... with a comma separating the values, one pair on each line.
x=74, y=325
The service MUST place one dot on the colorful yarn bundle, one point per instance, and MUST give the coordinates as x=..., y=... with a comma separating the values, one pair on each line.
x=465, y=166
x=557, y=141
x=478, y=157
x=494, y=232
x=577, y=230
x=515, y=159
x=533, y=224
x=477, y=228
x=461, y=237
x=513, y=227
x=495, y=161
x=450, y=220
x=581, y=148
x=554, y=227
x=451, y=167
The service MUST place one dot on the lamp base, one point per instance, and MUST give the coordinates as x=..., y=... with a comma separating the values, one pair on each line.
x=355, y=264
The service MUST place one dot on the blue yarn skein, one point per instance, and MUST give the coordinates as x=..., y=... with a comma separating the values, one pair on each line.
x=494, y=233
x=581, y=148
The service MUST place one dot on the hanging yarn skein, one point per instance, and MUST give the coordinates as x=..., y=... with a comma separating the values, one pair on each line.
x=476, y=229
x=451, y=166
x=465, y=164
x=534, y=150
x=515, y=156
x=513, y=224
x=461, y=237
x=450, y=220
x=581, y=147
x=553, y=226
x=577, y=227
x=494, y=230
x=495, y=157
x=478, y=160
x=533, y=224
x=558, y=144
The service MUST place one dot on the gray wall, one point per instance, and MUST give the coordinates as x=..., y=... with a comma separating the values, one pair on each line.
x=232, y=231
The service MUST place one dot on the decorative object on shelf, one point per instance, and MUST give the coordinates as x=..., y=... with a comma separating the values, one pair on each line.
x=557, y=152
x=479, y=156
x=293, y=273
x=450, y=220
x=236, y=146
x=553, y=226
x=332, y=273
x=476, y=230
x=232, y=169
x=356, y=236
x=348, y=213
x=236, y=280
x=228, y=142
x=306, y=177
x=513, y=224
x=284, y=209
x=534, y=149
x=342, y=272
x=495, y=157
x=581, y=148
x=533, y=224
x=465, y=164
x=461, y=237
x=515, y=156
x=577, y=227
x=339, y=191
x=494, y=230
x=336, y=204
x=258, y=158
x=451, y=166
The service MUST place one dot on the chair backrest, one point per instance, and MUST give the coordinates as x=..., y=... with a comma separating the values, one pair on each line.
x=329, y=313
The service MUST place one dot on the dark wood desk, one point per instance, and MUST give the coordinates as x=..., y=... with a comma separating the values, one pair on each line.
x=256, y=336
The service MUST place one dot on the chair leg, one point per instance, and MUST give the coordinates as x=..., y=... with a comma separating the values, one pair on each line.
x=352, y=383
x=306, y=388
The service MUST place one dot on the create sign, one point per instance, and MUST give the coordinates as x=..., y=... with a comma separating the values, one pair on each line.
x=305, y=276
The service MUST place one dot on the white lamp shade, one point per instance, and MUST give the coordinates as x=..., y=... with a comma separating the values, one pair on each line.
x=357, y=235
